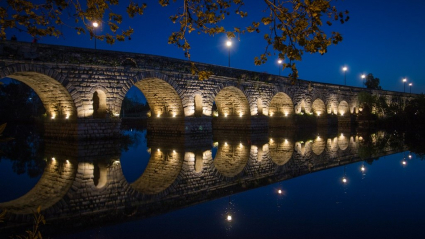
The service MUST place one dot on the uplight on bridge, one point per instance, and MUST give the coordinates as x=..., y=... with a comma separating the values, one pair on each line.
x=240, y=114
x=225, y=114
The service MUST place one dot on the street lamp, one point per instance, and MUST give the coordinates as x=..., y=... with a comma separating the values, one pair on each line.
x=345, y=74
x=95, y=25
x=364, y=80
x=229, y=44
x=279, y=62
x=404, y=84
x=410, y=86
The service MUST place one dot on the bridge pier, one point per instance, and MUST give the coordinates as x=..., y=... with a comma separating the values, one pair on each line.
x=179, y=125
x=82, y=128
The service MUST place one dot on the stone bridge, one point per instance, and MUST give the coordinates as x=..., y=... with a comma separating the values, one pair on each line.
x=84, y=181
x=83, y=89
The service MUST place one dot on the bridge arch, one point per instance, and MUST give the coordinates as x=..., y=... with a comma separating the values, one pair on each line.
x=52, y=87
x=161, y=94
x=231, y=101
x=343, y=108
x=319, y=107
x=281, y=105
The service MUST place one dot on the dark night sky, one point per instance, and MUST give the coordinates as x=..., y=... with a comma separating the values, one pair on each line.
x=383, y=37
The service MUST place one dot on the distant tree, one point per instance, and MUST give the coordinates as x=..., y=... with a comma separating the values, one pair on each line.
x=372, y=82
x=295, y=27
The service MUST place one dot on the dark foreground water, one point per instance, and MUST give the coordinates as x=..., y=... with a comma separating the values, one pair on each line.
x=332, y=185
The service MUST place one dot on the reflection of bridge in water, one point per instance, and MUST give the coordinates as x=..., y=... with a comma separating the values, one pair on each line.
x=84, y=182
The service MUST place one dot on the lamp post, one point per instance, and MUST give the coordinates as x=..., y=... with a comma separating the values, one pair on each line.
x=364, y=80
x=95, y=25
x=229, y=44
x=279, y=62
x=404, y=84
x=410, y=86
x=345, y=74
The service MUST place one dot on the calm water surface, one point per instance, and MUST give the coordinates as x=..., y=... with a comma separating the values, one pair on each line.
x=237, y=176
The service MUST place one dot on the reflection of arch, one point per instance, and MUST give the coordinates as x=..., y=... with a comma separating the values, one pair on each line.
x=319, y=107
x=100, y=175
x=303, y=148
x=48, y=84
x=343, y=142
x=230, y=159
x=99, y=104
x=162, y=98
x=281, y=151
x=198, y=105
x=318, y=146
x=231, y=101
x=343, y=108
x=53, y=185
x=332, y=146
x=162, y=170
x=281, y=105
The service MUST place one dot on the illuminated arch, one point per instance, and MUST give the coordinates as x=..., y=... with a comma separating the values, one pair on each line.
x=319, y=107
x=53, y=185
x=49, y=85
x=343, y=108
x=231, y=101
x=231, y=159
x=281, y=105
x=162, y=170
x=162, y=98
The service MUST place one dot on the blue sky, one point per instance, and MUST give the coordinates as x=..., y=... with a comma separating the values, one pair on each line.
x=382, y=37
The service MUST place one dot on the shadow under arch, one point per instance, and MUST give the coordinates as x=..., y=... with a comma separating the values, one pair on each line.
x=231, y=158
x=281, y=150
x=162, y=170
x=49, y=85
x=54, y=184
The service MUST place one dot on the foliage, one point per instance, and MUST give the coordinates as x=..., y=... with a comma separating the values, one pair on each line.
x=35, y=232
x=133, y=108
x=372, y=82
x=293, y=27
x=372, y=104
x=46, y=17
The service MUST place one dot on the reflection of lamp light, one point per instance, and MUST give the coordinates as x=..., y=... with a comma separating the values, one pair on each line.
x=344, y=180
x=240, y=114
x=229, y=218
x=279, y=191
x=363, y=168
x=286, y=114
x=403, y=162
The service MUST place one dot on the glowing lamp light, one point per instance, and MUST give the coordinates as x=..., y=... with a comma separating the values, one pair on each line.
x=241, y=145
x=279, y=191
x=342, y=114
x=174, y=115
x=279, y=61
x=158, y=115
x=271, y=113
x=404, y=162
x=95, y=24
x=53, y=116
x=67, y=116
x=225, y=114
x=225, y=143
x=363, y=168
x=159, y=150
x=67, y=161
x=174, y=151
x=404, y=80
x=53, y=159
x=229, y=218
x=410, y=156
x=318, y=113
x=240, y=114
x=228, y=43
x=363, y=76
x=344, y=180
x=344, y=68
x=286, y=114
